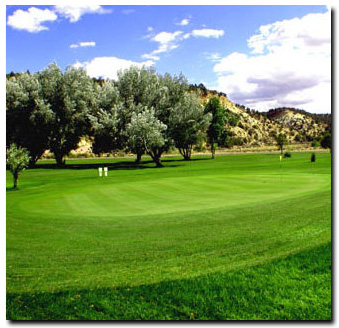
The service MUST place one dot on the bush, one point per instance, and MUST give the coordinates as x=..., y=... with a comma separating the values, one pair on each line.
x=287, y=154
x=238, y=142
x=313, y=157
x=315, y=144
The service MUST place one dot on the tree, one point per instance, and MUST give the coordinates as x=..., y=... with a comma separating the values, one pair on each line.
x=217, y=126
x=281, y=141
x=103, y=117
x=326, y=141
x=139, y=88
x=70, y=95
x=27, y=115
x=188, y=124
x=17, y=159
x=146, y=131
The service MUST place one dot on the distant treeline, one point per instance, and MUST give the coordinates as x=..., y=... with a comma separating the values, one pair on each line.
x=318, y=118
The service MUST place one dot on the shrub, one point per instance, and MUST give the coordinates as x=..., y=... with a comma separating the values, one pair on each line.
x=315, y=144
x=313, y=157
x=238, y=142
x=287, y=154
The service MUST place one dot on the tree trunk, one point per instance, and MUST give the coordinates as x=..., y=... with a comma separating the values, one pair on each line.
x=15, y=179
x=156, y=155
x=59, y=159
x=138, y=159
x=157, y=162
x=186, y=153
x=34, y=157
x=213, y=149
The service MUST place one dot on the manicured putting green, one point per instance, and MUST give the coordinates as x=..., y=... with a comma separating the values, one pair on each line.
x=167, y=195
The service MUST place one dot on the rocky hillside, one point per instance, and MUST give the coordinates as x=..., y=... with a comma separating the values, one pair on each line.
x=253, y=128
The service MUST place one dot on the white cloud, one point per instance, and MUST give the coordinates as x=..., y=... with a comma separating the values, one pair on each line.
x=289, y=65
x=167, y=41
x=170, y=40
x=31, y=20
x=74, y=13
x=108, y=67
x=166, y=37
x=83, y=44
x=183, y=22
x=208, y=33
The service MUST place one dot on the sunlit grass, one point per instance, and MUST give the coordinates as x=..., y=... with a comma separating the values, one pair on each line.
x=186, y=225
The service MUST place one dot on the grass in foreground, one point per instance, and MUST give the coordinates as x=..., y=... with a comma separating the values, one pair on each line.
x=80, y=247
x=297, y=287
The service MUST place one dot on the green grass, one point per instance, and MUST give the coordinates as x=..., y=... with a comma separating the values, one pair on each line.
x=240, y=237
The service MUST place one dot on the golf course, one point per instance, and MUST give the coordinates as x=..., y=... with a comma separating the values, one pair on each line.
x=240, y=237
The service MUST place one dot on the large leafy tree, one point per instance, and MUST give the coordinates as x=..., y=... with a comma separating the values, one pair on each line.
x=17, y=159
x=188, y=123
x=28, y=116
x=70, y=96
x=216, y=128
x=139, y=88
x=146, y=131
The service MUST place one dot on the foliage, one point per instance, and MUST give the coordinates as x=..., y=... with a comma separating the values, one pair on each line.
x=326, y=141
x=313, y=157
x=27, y=115
x=140, y=89
x=188, y=123
x=17, y=159
x=146, y=131
x=217, y=126
x=281, y=141
x=231, y=118
x=287, y=155
x=104, y=117
x=315, y=144
x=70, y=96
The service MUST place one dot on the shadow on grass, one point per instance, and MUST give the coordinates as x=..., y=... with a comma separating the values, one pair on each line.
x=125, y=165
x=284, y=289
x=11, y=189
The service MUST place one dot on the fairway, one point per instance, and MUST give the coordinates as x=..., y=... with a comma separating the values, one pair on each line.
x=70, y=231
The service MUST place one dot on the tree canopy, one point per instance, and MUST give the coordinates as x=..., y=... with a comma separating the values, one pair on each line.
x=142, y=112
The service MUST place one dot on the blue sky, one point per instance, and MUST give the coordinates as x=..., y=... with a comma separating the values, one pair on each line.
x=260, y=56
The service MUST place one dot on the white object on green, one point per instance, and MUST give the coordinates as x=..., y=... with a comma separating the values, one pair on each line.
x=100, y=171
x=106, y=171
